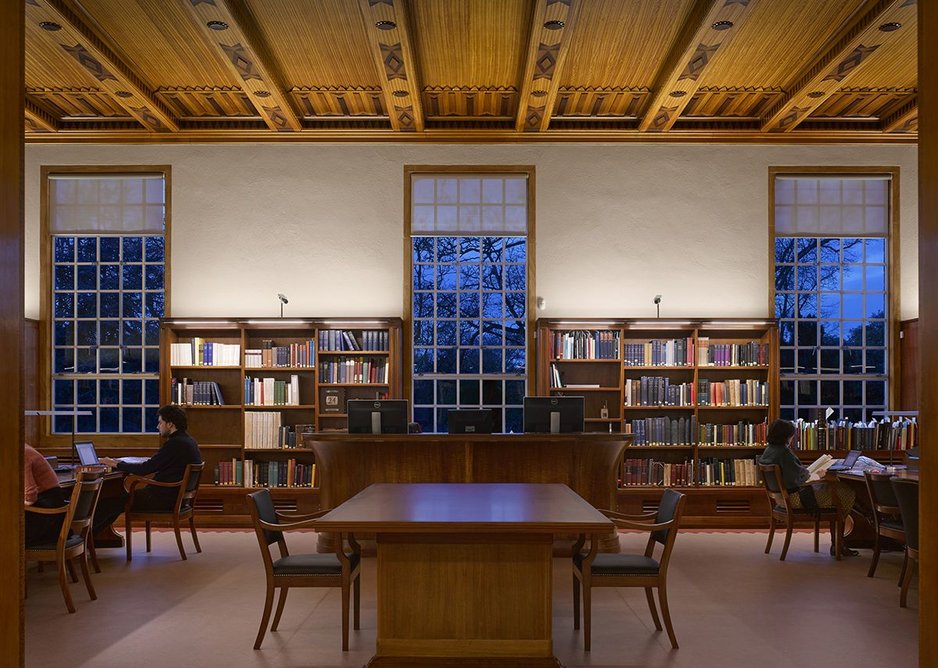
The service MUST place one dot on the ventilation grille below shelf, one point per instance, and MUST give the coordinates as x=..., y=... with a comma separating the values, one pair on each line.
x=209, y=505
x=733, y=506
x=285, y=505
x=650, y=506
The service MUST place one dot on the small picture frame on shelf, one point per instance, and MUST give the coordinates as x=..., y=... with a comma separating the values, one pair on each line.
x=333, y=400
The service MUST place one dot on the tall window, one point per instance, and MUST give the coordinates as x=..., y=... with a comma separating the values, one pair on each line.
x=469, y=295
x=108, y=270
x=832, y=290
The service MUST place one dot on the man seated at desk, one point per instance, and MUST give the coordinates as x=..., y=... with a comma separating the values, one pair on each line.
x=167, y=465
x=41, y=489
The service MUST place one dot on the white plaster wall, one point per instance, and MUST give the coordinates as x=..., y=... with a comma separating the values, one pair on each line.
x=616, y=223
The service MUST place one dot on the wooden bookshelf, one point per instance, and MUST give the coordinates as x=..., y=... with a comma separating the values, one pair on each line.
x=279, y=376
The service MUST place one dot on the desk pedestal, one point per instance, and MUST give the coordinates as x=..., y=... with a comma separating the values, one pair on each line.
x=464, y=600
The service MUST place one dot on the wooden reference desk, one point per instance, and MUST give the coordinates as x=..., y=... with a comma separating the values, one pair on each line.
x=464, y=570
x=587, y=463
x=113, y=486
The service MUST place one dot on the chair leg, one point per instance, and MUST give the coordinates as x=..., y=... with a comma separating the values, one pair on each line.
x=128, y=533
x=817, y=533
x=268, y=604
x=906, y=581
x=576, y=601
x=345, y=606
x=147, y=525
x=87, y=576
x=63, y=584
x=89, y=546
x=649, y=594
x=182, y=550
x=768, y=543
x=788, y=531
x=905, y=565
x=195, y=536
x=71, y=570
x=280, y=603
x=356, y=601
x=663, y=600
x=875, y=562
x=587, y=605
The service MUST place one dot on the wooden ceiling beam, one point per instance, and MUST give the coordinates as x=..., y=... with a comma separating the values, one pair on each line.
x=38, y=119
x=233, y=32
x=903, y=119
x=830, y=71
x=387, y=27
x=66, y=28
x=551, y=32
x=710, y=26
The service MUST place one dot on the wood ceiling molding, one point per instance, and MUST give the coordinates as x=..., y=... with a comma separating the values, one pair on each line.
x=904, y=119
x=470, y=102
x=693, y=51
x=721, y=103
x=242, y=50
x=38, y=119
x=830, y=72
x=393, y=54
x=340, y=102
x=547, y=50
x=203, y=102
x=608, y=102
x=98, y=61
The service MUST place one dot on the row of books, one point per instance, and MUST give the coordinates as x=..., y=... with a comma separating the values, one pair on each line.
x=658, y=391
x=732, y=392
x=346, y=339
x=660, y=352
x=251, y=473
x=264, y=430
x=200, y=352
x=586, y=345
x=708, y=473
x=754, y=353
x=354, y=370
x=195, y=392
x=684, y=431
x=727, y=472
x=884, y=434
x=751, y=434
x=272, y=391
x=292, y=355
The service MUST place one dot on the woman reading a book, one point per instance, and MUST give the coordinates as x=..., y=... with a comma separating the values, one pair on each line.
x=804, y=490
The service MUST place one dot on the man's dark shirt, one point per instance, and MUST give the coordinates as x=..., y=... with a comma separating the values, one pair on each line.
x=169, y=462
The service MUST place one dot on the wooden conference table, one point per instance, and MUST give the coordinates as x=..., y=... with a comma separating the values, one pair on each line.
x=464, y=570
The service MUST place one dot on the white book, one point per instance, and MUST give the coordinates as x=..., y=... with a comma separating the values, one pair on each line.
x=819, y=467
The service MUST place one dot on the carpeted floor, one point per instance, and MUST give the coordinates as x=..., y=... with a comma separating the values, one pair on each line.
x=731, y=605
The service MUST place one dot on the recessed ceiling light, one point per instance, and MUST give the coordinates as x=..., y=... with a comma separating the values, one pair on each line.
x=816, y=94
x=51, y=26
x=123, y=93
x=217, y=25
x=722, y=25
x=400, y=93
x=554, y=25
x=262, y=93
x=678, y=93
x=889, y=27
x=385, y=25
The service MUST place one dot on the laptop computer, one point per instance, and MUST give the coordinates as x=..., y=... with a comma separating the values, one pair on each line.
x=847, y=463
x=88, y=456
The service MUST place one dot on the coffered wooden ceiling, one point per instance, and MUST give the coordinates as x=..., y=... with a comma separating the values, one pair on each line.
x=471, y=70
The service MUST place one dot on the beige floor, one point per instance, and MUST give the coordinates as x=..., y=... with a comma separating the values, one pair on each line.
x=731, y=605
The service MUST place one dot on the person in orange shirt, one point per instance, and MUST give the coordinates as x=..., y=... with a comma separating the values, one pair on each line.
x=41, y=490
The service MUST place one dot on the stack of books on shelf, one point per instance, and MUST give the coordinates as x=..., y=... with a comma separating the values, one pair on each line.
x=732, y=392
x=727, y=472
x=741, y=433
x=264, y=430
x=272, y=391
x=658, y=391
x=754, y=353
x=195, y=392
x=660, y=352
x=346, y=339
x=199, y=352
x=250, y=473
x=900, y=434
x=663, y=430
x=292, y=355
x=651, y=472
x=586, y=345
x=361, y=370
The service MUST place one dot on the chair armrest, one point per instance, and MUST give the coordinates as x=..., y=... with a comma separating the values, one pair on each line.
x=305, y=524
x=298, y=518
x=612, y=514
x=46, y=511
x=641, y=526
x=157, y=483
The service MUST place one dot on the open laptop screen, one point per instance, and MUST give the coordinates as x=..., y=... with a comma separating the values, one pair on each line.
x=86, y=453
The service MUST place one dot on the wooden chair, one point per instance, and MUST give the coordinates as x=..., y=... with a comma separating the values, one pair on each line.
x=183, y=509
x=301, y=570
x=72, y=541
x=906, y=492
x=783, y=512
x=631, y=570
x=886, y=518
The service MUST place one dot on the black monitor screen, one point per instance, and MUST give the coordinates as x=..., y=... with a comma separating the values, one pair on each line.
x=553, y=415
x=87, y=456
x=470, y=421
x=373, y=416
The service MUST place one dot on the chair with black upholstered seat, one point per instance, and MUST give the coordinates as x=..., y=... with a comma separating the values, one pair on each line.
x=784, y=511
x=906, y=492
x=886, y=518
x=341, y=569
x=71, y=544
x=183, y=507
x=631, y=570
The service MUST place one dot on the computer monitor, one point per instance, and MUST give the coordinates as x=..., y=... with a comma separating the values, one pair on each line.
x=470, y=421
x=553, y=415
x=87, y=455
x=377, y=416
